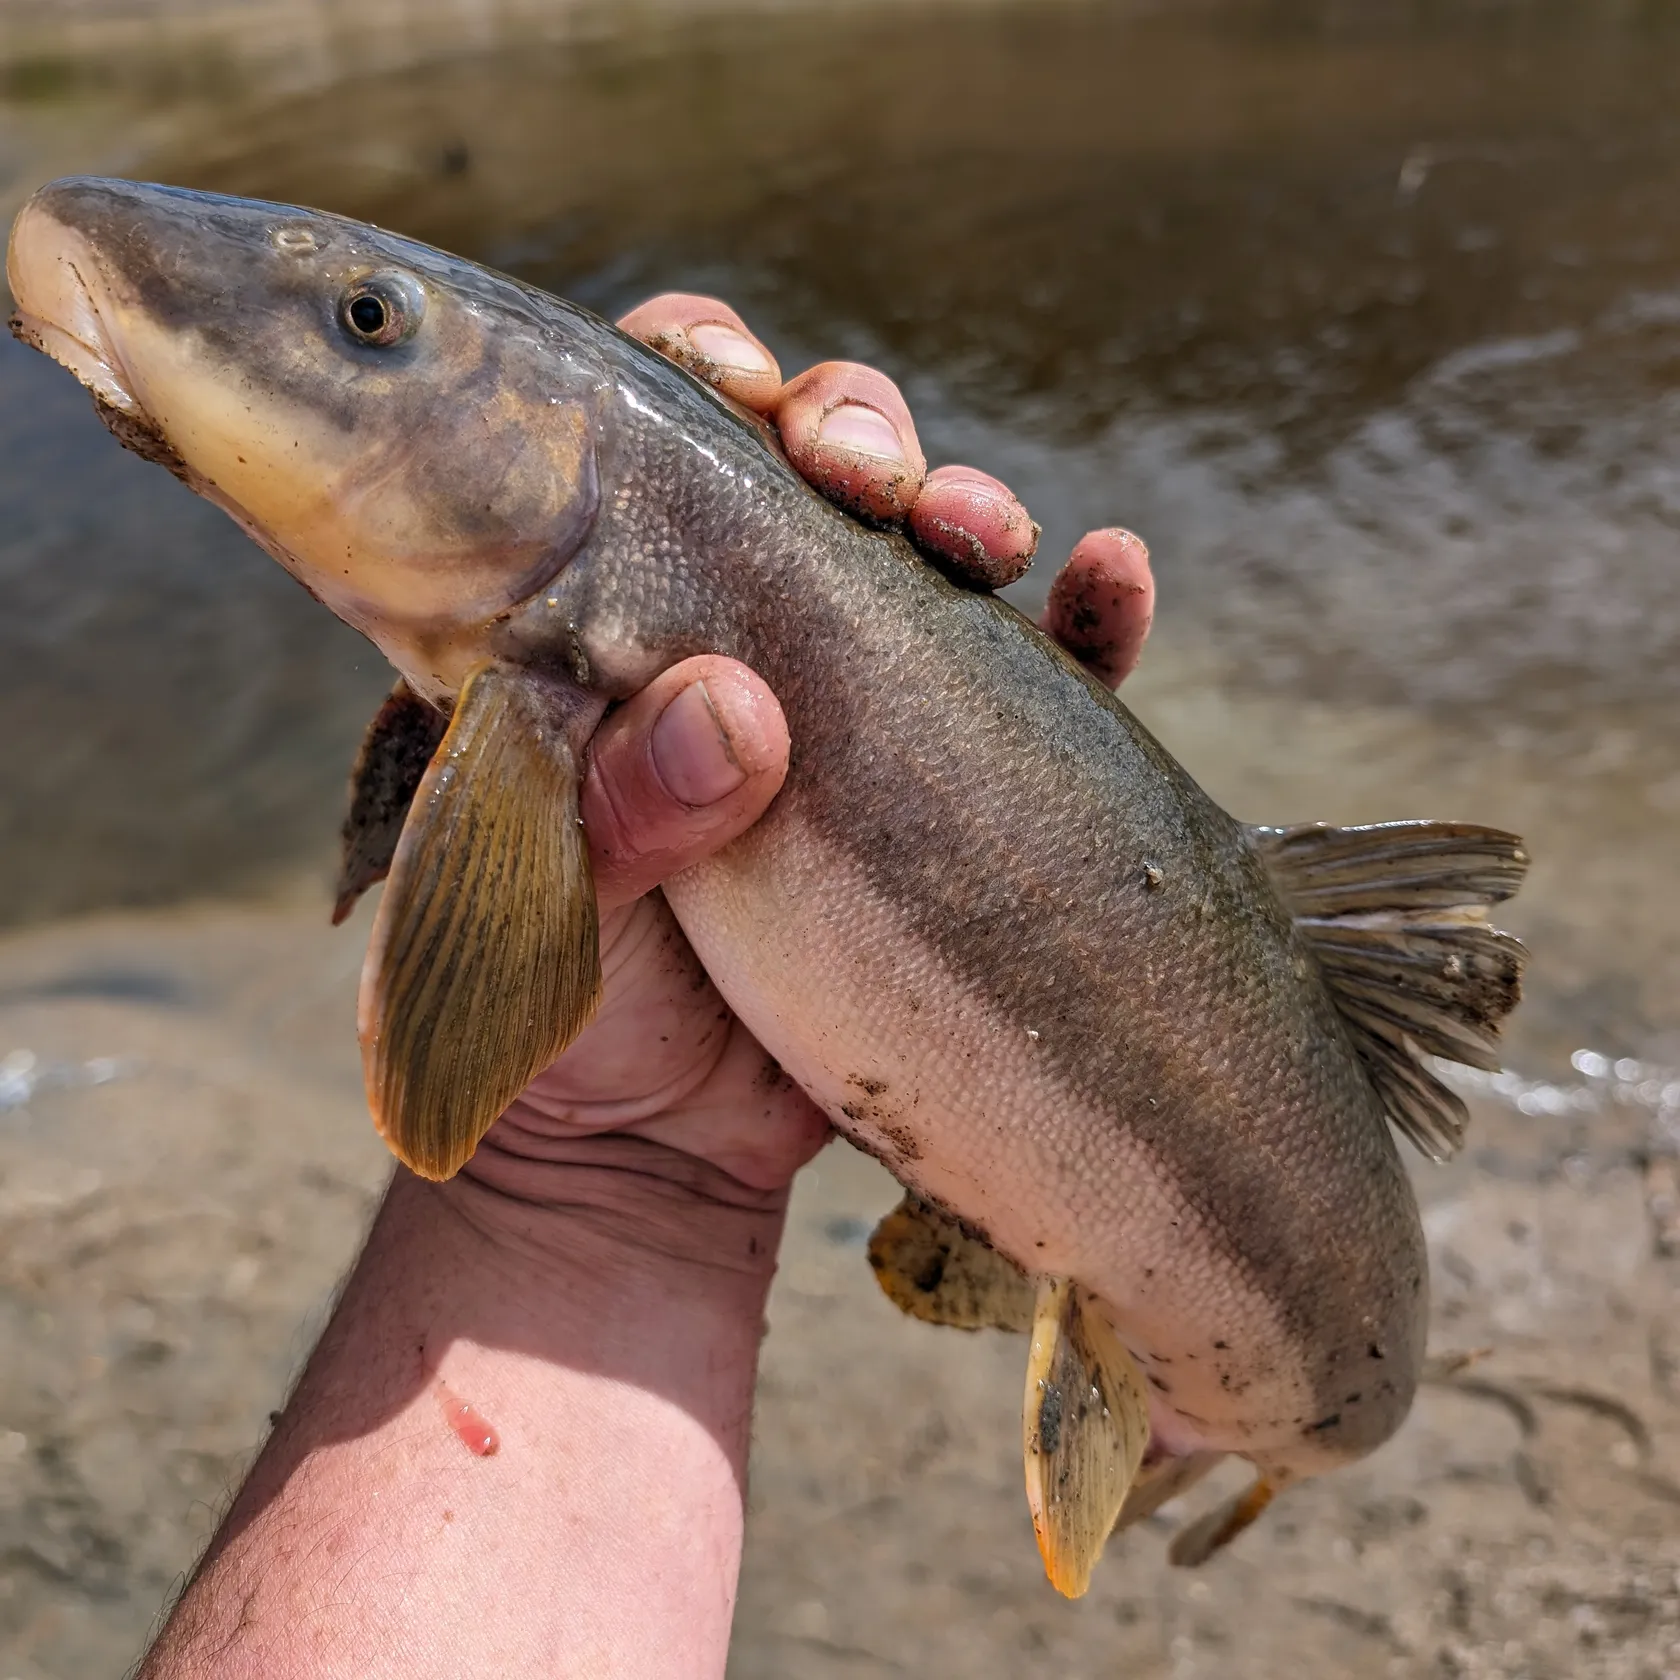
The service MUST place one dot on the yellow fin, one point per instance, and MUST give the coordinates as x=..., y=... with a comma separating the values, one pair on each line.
x=484, y=963
x=932, y=1269
x=1084, y=1428
x=1198, y=1541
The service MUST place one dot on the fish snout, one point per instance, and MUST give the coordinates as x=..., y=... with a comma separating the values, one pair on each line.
x=58, y=284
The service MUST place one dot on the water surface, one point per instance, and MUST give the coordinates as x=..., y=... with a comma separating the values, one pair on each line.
x=1367, y=318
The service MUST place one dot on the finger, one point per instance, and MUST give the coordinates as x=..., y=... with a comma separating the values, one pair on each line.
x=712, y=342
x=973, y=525
x=678, y=771
x=1102, y=602
x=847, y=431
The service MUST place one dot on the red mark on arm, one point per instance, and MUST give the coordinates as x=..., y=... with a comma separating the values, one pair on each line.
x=472, y=1429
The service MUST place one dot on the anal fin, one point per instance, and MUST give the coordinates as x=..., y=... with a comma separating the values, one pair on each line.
x=931, y=1268
x=398, y=746
x=1195, y=1543
x=484, y=962
x=1160, y=1480
x=1396, y=916
x=1085, y=1425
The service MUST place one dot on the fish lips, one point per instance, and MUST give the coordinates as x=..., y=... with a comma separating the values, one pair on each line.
x=56, y=280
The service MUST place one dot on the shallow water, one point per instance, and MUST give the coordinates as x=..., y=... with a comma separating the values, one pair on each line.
x=1367, y=318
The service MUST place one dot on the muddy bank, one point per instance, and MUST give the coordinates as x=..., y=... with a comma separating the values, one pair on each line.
x=169, y=1235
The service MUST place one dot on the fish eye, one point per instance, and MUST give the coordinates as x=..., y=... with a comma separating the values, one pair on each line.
x=382, y=309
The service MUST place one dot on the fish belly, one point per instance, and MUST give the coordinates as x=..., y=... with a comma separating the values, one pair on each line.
x=926, y=1073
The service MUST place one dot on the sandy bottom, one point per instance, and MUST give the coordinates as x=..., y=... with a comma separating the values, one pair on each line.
x=169, y=1236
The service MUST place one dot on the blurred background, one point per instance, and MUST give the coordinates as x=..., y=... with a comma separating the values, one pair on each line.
x=1366, y=315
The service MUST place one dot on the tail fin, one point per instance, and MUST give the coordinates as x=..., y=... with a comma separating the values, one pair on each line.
x=1396, y=914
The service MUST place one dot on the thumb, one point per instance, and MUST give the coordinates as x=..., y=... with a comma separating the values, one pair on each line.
x=678, y=771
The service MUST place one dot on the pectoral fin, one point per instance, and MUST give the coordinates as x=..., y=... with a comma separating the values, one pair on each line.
x=398, y=746
x=1085, y=1426
x=932, y=1269
x=483, y=964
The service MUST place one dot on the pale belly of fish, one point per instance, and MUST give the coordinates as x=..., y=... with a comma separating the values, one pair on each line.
x=962, y=1105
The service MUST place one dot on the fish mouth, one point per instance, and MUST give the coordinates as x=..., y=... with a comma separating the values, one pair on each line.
x=59, y=286
x=56, y=281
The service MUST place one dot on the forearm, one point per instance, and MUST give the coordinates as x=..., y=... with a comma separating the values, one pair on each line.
x=611, y=1342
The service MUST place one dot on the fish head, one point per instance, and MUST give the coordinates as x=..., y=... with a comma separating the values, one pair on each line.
x=408, y=434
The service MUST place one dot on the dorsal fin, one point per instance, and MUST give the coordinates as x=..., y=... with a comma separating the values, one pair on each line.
x=1396, y=914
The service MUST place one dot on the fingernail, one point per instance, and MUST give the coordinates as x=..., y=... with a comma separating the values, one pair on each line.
x=729, y=349
x=691, y=751
x=862, y=430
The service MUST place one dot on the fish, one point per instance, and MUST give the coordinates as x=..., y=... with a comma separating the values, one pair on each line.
x=1140, y=1068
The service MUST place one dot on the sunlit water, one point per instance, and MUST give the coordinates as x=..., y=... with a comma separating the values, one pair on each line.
x=1368, y=320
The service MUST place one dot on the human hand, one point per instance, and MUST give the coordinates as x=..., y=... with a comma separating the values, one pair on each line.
x=847, y=430
x=695, y=759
